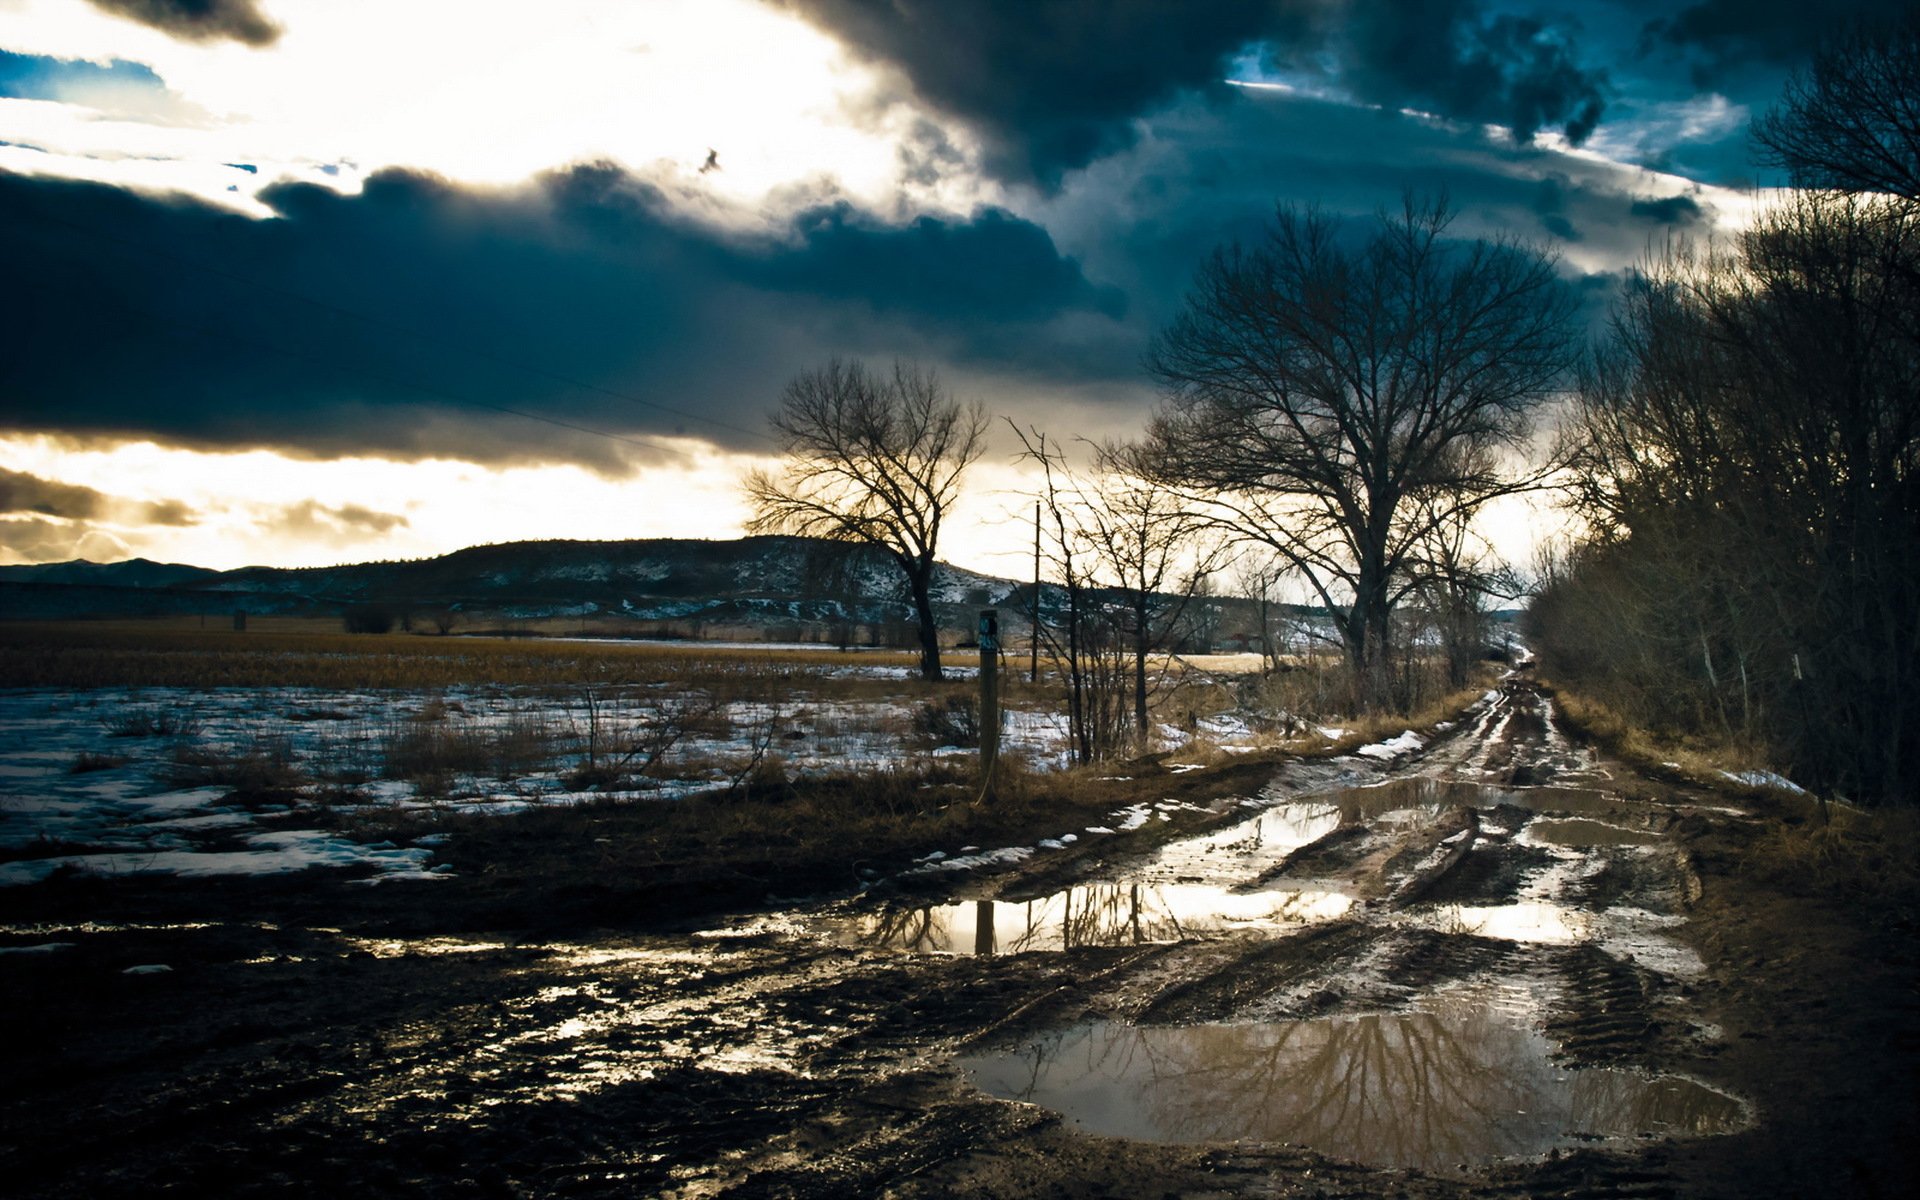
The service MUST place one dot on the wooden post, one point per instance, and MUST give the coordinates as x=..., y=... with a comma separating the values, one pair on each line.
x=989, y=697
x=983, y=927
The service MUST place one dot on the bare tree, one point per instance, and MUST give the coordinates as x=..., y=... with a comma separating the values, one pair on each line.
x=1127, y=559
x=1151, y=550
x=1852, y=123
x=1336, y=402
x=876, y=459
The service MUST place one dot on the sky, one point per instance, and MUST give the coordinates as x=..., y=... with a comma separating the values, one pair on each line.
x=296, y=282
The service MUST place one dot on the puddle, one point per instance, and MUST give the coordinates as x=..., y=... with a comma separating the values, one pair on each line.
x=1112, y=914
x=1539, y=922
x=1423, y=794
x=1462, y=1081
x=1583, y=832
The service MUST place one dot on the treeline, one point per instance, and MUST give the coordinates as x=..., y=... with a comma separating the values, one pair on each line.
x=1743, y=450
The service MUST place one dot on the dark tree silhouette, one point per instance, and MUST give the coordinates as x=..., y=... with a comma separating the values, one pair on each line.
x=876, y=459
x=1339, y=401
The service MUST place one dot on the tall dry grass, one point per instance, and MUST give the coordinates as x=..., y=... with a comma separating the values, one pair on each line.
x=161, y=654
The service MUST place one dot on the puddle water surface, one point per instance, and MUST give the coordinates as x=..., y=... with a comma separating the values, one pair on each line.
x=1461, y=1081
x=1582, y=832
x=1112, y=914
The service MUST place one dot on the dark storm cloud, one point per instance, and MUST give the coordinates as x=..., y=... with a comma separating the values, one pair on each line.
x=1671, y=210
x=1720, y=36
x=1455, y=58
x=395, y=321
x=997, y=266
x=199, y=20
x=1208, y=177
x=1054, y=84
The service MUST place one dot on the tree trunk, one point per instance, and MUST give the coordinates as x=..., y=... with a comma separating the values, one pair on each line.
x=1142, y=643
x=922, y=582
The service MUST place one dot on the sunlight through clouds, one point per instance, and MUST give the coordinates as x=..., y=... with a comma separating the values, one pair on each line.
x=264, y=508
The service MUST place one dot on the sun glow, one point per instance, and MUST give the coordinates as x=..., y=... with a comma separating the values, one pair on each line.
x=657, y=86
x=259, y=507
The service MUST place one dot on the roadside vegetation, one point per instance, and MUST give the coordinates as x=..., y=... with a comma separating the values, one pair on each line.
x=1743, y=452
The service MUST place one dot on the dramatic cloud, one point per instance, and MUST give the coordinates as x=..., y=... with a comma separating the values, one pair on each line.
x=1720, y=36
x=1670, y=210
x=35, y=540
x=199, y=20
x=343, y=525
x=1053, y=86
x=1145, y=219
x=1454, y=58
x=23, y=493
x=399, y=321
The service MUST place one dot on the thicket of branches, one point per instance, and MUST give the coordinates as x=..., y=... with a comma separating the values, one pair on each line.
x=1745, y=454
x=1127, y=559
x=1744, y=450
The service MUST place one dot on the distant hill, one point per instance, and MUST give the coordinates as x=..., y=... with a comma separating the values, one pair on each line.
x=134, y=572
x=670, y=586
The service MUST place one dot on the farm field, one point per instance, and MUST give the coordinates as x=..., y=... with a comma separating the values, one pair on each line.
x=713, y=921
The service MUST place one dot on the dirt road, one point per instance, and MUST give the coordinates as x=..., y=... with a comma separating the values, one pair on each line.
x=1500, y=965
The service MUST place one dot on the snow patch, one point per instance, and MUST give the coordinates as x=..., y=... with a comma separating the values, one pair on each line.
x=1406, y=743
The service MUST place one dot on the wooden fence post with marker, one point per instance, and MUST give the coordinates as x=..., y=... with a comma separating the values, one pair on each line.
x=989, y=640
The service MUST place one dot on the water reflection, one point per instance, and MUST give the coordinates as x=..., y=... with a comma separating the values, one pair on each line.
x=1583, y=832
x=1111, y=914
x=1459, y=1082
x=1422, y=794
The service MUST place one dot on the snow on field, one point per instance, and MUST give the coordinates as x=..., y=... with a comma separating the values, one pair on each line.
x=233, y=781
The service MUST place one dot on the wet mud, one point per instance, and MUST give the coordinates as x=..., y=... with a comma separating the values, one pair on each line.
x=1502, y=968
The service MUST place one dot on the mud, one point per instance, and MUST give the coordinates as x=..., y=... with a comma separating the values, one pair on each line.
x=1456, y=981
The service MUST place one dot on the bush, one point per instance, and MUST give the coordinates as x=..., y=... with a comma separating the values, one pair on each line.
x=367, y=618
x=949, y=720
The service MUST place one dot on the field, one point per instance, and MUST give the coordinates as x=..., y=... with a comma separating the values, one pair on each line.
x=419, y=915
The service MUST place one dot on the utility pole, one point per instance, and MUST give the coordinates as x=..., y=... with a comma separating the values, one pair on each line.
x=1033, y=634
x=989, y=639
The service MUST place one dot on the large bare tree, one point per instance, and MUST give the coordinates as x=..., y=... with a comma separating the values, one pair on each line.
x=1338, y=399
x=873, y=458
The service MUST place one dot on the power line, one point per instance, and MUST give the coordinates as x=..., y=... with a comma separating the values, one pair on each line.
x=422, y=335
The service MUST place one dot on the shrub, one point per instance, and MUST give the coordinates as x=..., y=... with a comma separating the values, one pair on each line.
x=367, y=618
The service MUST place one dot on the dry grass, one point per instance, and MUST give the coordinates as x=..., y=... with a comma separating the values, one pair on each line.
x=1694, y=760
x=165, y=654
x=1860, y=857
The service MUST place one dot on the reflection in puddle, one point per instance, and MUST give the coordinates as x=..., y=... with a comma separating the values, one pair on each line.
x=1534, y=921
x=1581, y=832
x=1113, y=914
x=1421, y=793
x=1460, y=1081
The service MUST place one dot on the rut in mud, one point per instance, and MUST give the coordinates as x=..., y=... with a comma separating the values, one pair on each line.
x=1458, y=973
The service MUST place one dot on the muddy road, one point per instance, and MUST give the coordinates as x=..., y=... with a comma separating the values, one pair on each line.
x=1501, y=965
